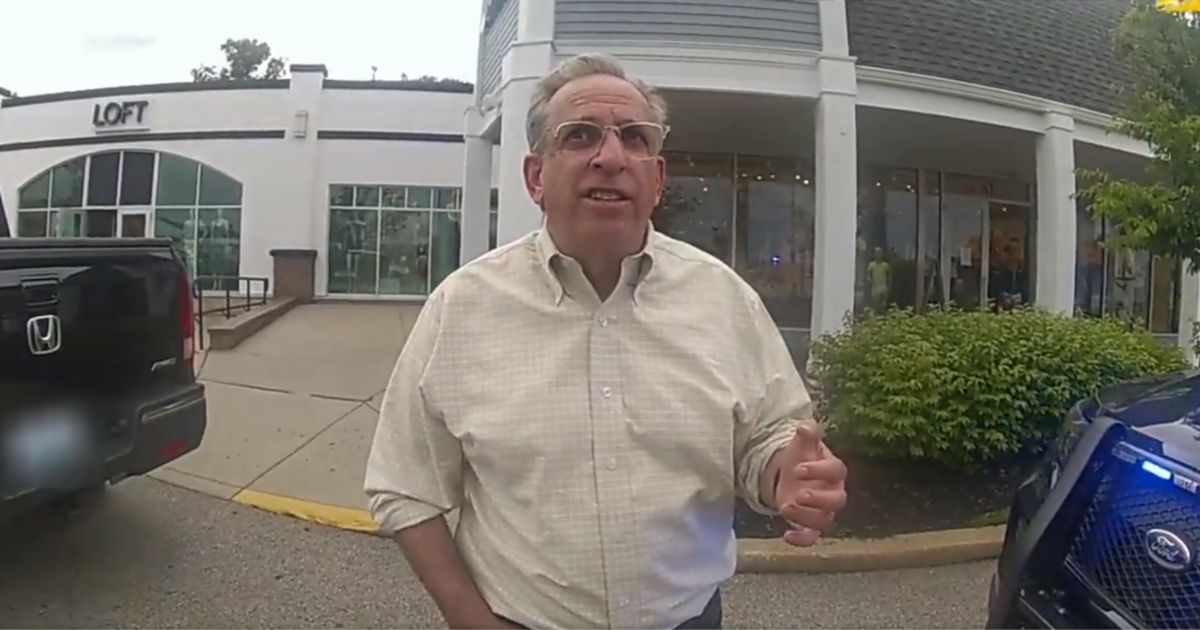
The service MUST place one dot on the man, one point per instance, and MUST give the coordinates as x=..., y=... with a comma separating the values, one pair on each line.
x=592, y=397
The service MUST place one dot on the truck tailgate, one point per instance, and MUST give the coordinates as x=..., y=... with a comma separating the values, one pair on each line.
x=89, y=331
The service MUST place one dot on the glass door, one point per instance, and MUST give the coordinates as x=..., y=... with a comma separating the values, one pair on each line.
x=1009, y=254
x=134, y=224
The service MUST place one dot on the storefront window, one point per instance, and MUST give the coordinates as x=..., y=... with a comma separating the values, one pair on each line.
x=1128, y=281
x=1164, y=295
x=446, y=243
x=66, y=184
x=1130, y=285
x=774, y=241
x=218, y=241
x=964, y=205
x=35, y=194
x=886, y=256
x=142, y=194
x=697, y=202
x=404, y=253
x=353, y=250
x=1089, y=264
x=392, y=240
x=929, y=244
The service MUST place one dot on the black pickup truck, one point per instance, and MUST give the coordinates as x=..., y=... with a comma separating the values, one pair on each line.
x=96, y=366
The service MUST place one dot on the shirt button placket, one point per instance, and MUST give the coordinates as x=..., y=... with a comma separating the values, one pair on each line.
x=614, y=491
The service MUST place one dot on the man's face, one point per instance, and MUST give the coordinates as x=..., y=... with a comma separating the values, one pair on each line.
x=597, y=190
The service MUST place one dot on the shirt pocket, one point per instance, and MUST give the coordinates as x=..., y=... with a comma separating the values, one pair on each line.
x=679, y=400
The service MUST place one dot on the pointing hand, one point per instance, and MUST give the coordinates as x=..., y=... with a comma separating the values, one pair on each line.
x=811, y=487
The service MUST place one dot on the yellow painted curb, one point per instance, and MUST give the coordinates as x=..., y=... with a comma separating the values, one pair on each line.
x=906, y=551
x=333, y=515
x=755, y=555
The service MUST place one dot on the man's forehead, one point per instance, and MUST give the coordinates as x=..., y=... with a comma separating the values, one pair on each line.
x=600, y=98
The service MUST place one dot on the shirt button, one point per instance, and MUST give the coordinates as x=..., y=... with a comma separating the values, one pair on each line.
x=604, y=321
x=606, y=392
x=624, y=602
x=612, y=463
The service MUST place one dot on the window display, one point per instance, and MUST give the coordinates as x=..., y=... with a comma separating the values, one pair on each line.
x=139, y=194
x=392, y=240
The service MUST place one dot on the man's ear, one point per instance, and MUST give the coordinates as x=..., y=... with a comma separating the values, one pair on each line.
x=660, y=178
x=532, y=170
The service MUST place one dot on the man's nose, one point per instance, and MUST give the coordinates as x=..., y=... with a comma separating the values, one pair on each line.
x=610, y=155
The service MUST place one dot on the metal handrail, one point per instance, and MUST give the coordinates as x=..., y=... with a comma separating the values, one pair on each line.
x=227, y=284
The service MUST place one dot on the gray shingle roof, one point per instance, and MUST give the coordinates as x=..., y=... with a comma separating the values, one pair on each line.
x=1055, y=49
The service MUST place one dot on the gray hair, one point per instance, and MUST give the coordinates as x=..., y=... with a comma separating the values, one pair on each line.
x=578, y=67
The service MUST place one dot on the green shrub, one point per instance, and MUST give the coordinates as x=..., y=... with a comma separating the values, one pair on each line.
x=965, y=388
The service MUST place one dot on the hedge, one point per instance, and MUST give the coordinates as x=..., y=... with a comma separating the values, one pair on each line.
x=966, y=388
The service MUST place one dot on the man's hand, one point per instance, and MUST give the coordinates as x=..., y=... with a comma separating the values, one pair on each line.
x=811, y=487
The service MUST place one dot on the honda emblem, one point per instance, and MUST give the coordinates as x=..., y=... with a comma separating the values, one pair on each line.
x=45, y=334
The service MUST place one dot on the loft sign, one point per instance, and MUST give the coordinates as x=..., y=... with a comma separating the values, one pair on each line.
x=119, y=115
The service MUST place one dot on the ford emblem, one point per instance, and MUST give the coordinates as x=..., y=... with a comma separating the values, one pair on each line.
x=1168, y=550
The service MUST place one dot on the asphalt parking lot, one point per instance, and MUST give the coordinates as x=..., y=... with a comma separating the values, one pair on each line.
x=148, y=554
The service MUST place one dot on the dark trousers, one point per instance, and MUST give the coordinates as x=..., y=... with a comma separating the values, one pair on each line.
x=708, y=619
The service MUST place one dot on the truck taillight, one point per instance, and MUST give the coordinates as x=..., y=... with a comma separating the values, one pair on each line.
x=186, y=321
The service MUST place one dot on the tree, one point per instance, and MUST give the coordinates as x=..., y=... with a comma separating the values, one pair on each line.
x=244, y=58
x=431, y=82
x=1161, y=49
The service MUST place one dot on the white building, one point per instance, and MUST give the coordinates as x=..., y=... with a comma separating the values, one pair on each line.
x=837, y=153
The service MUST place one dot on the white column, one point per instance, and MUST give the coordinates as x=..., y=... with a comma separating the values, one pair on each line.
x=1056, y=218
x=518, y=215
x=1189, y=311
x=529, y=58
x=837, y=196
x=477, y=193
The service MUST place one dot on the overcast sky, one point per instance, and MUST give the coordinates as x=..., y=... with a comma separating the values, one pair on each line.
x=58, y=45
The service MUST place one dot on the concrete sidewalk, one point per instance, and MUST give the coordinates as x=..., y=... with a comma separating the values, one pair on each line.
x=292, y=411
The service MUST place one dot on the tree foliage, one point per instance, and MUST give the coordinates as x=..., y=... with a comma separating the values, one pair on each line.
x=245, y=59
x=1160, y=214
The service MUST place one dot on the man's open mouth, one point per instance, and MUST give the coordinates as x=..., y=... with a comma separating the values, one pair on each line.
x=606, y=194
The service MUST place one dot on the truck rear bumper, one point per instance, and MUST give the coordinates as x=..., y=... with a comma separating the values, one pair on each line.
x=161, y=429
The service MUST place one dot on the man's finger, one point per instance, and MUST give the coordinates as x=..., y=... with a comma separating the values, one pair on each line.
x=827, y=500
x=829, y=469
x=807, y=440
x=801, y=537
x=807, y=517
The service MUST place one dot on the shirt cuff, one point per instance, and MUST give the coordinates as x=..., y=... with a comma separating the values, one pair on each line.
x=393, y=513
x=757, y=467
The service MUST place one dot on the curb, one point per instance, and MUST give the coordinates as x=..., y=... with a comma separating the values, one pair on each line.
x=846, y=555
x=755, y=555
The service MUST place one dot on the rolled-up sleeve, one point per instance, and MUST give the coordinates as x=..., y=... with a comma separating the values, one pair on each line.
x=780, y=402
x=414, y=469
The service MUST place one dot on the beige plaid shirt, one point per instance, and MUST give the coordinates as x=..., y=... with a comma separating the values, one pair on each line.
x=594, y=449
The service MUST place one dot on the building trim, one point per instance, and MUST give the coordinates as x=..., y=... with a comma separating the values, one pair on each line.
x=977, y=92
x=692, y=52
x=152, y=88
x=166, y=136
x=308, y=67
x=404, y=86
x=392, y=136
x=970, y=101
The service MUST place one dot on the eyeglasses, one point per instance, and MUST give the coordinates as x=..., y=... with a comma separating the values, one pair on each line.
x=639, y=139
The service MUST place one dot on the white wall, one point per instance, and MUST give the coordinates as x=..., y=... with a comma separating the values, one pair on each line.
x=392, y=110
x=285, y=181
x=268, y=170
x=168, y=112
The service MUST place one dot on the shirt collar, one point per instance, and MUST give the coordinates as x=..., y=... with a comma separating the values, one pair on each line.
x=634, y=268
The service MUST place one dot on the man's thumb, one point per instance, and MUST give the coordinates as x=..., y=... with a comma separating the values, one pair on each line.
x=808, y=440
